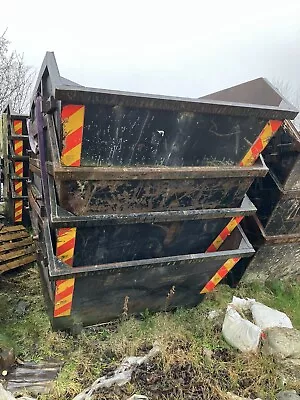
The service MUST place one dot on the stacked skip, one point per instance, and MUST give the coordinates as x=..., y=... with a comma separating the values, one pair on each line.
x=16, y=245
x=15, y=148
x=137, y=199
x=275, y=230
x=276, y=227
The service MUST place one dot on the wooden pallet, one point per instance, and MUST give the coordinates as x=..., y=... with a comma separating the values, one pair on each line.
x=16, y=247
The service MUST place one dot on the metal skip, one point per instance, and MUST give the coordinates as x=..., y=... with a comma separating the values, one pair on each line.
x=249, y=159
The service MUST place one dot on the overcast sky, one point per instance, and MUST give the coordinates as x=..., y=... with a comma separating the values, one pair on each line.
x=184, y=48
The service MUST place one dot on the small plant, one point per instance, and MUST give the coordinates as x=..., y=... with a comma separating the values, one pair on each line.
x=125, y=307
x=170, y=295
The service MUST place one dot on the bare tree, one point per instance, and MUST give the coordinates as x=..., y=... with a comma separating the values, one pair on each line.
x=15, y=78
x=291, y=93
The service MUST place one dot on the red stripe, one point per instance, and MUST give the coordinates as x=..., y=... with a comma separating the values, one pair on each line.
x=239, y=219
x=19, y=152
x=275, y=124
x=62, y=309
x=70, y=244
x=73, y=139
x=20, y=172
x=19, y=208
x=257, y=148
x=211, y=248
x=69, y=261
x=63, y=294
x=62, y=231
x=210, y=286
x=222, y=271
x=60, y=281
x=19, y=131
x=75, y=164
x=225, y=232
x=69, y=110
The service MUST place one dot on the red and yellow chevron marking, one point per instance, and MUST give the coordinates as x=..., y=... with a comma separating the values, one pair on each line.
x=18, y=187
x=261, y=142
x=17, y=127
x=19, y=168
x=18, y=144
x=64, y=288
x=63, y=297
x=18, y=210
x=72, y=119
x=18, y=147
x=219, y=275
x=220, y=239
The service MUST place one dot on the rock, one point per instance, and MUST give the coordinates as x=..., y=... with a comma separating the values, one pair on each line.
x=21, y=307
x=138, y=397
x=290, y=371
x=287, y=395
x=7, y=360
x=5, y=395
x=214, y=314
x=282, y=343
x=207, y=353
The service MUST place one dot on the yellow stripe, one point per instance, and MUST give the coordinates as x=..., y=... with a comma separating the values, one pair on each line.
x=216, y=279
x=232, y=225
x=18, y=185
x=66, y=255
x=229, y=264
x=266, y=134
x=18, y=203
x=65, y=285
x=217, y=242
x=204, y=291
x=18, y=145
x=17, y=126
x=18, y=166
x=248, y=159
x=19, y=150
x=72, y=155
x=73, y=122
x=65, y=237
x=64, y=301
x=17, y=213
x=66, y=313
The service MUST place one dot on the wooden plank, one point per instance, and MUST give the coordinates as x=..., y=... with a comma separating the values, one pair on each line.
x=15, y=245
x=15, y=254
x=13, y=236
x=15, y=228
x=17, y=263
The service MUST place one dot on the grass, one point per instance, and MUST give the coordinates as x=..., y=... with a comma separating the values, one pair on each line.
x=195, y=361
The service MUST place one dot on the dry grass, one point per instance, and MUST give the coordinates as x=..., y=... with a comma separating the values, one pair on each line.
x=195, y=362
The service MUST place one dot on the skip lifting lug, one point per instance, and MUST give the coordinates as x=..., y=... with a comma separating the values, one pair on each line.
x=49, y=106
